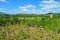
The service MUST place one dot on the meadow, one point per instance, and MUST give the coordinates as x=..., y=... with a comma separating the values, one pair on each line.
x=30, y=27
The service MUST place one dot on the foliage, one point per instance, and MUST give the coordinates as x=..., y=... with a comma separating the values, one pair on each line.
x=30, y=27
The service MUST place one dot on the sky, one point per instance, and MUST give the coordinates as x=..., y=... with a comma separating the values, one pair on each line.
x=30, y=6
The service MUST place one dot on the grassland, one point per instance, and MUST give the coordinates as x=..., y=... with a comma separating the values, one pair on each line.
x=30, y=27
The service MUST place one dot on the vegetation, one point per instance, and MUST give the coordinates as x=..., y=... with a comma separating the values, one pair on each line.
x=30, y=27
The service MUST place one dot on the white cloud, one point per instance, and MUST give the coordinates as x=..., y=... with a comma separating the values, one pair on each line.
x=27, y=8
x=30, y=6
x=45, y=7
x=48, y=0
x=49, y=6
x=2, y=0
x=1, y=9
x=23, y=8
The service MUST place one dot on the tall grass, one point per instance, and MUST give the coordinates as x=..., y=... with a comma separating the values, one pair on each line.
x=29, y=27
x=23, y=32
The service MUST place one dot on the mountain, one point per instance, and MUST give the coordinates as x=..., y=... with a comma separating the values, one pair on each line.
x=27, y=14
x=3, y=14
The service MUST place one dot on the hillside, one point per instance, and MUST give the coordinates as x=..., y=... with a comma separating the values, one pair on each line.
x=30, y=27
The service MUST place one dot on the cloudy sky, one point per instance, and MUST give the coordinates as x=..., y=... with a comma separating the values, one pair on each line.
x=30, y=6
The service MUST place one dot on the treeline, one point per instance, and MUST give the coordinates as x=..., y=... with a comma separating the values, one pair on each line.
x=6, y=19
x=43, y=20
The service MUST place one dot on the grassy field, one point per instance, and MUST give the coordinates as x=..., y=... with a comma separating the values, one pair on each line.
x=30, y=27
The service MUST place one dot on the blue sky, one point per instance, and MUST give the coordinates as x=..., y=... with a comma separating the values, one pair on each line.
x=29, y=6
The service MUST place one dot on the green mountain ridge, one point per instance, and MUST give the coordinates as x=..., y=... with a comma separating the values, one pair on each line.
x=27, y=14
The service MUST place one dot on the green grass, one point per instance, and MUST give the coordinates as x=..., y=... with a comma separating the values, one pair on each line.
x=30, y=27
x=23, y=32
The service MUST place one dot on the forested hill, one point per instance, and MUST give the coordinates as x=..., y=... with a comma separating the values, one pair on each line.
x=46, y=20
x=26, y=14
x=13, y=19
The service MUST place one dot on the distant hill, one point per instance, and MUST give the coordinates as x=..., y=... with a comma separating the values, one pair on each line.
x=3, y=14
x=27, y=14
